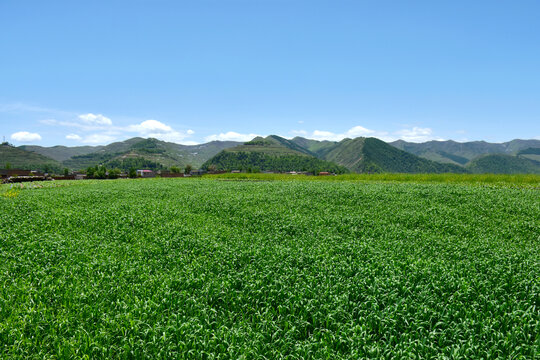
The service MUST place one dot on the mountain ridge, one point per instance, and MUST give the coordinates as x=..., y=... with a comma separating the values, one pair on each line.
x=457, y=152
x=359, y=154
x=369, y=154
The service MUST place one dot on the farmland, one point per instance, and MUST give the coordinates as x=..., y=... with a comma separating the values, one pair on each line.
x=203, y=268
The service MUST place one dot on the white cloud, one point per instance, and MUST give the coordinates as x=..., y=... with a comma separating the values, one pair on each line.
x=416, y=134
x=98, y=139
x=104, y=130
x=359, y=131
x=174, y=136
x=94, y=119
x=85, y=122
x=150, y=126
x=49, y=122
x=326, y=135
x=351, y=133
x=25, y=136
x=230, y=136
x=73, y=137
x=159, y=130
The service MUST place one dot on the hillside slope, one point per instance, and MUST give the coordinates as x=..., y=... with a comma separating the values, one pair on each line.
x=530, y=153
x=272, y=153
x=319, y=148
x=503, y=164
x=21, y=159
x=59, y=152
x=374, y=155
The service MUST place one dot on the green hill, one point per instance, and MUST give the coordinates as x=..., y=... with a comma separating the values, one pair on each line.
x=272, y=153
x=148, y=153
x=503, y=164
x=21, y=159
x=272, y=144
x=374, y=155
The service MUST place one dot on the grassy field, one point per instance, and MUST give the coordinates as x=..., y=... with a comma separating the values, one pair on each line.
x=528, y=180
x=206, y=269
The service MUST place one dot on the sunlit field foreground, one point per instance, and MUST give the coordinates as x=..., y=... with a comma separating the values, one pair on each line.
x=199, y=268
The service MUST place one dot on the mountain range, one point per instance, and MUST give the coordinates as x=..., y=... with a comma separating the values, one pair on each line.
x=276, y=153
x=461, y=153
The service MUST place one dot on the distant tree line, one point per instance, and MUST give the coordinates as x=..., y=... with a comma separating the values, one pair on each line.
x=101, y=172
x=259, y=141
x=256, y=161
x=134, y=162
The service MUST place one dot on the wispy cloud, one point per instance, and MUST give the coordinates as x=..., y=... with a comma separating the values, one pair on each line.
x=85, y=122
x=14, y=108
x=230, y=136
x=98, y=139
x=73, y=137
x=94, y=119
x=25, y=136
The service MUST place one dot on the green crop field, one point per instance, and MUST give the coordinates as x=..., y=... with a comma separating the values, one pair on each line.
x=212, y=269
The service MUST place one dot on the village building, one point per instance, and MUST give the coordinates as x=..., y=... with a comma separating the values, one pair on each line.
x=145, y=173
x=197, y=172
x=6, y=173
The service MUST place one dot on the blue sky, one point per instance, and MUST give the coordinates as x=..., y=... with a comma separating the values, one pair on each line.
x=93, y=72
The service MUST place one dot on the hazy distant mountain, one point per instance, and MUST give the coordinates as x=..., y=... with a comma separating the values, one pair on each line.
x=21, y=159
x=503, y=164
x=272, y=153
x=373, y=155
x=530, y=153
x=59, y=152
x=461, y=153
